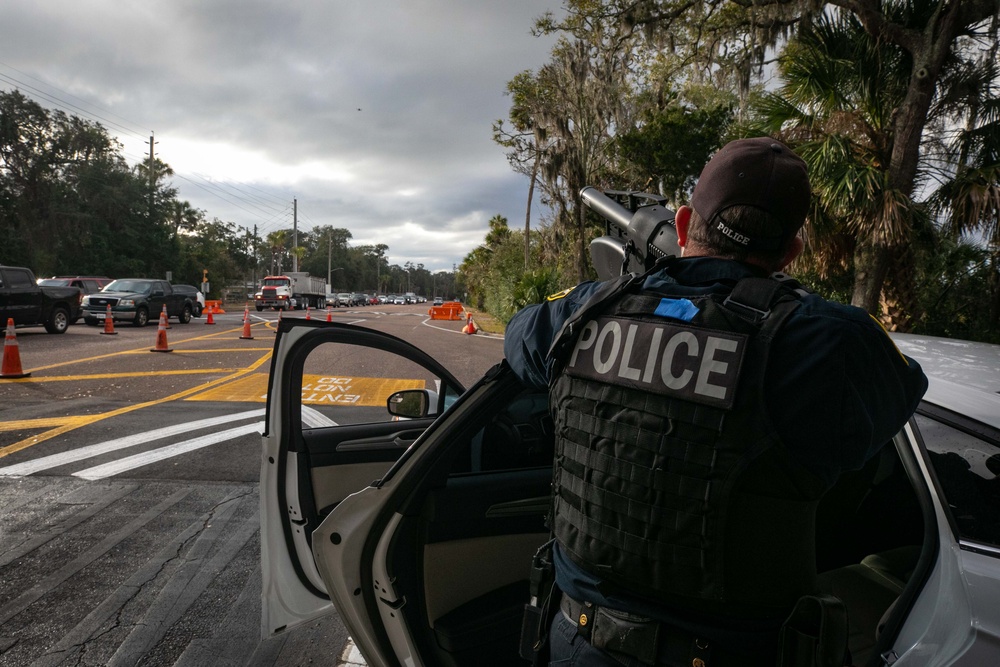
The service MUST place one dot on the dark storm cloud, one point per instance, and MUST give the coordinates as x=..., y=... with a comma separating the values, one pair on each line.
x=375, y=115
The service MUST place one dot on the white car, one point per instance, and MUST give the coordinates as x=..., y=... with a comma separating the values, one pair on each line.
x=420, y=532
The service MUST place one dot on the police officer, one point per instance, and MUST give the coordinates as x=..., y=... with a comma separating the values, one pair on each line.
x=699, y=419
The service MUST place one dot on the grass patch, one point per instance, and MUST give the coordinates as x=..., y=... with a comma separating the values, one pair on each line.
x=485, y=321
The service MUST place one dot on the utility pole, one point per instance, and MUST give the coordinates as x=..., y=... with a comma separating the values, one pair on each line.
x=295, y=234
x=152, y=175
x=254, y=273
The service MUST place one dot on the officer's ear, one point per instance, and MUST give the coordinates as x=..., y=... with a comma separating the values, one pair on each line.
x=682, y=221
x=795, y=247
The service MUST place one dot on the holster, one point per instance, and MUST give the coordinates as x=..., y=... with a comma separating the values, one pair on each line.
x=541, y=609
x=815, y=634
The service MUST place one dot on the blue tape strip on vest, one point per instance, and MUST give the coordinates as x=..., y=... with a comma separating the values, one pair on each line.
x=679, y=309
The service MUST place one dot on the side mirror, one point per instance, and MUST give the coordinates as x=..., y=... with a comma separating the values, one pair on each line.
x=409, y=403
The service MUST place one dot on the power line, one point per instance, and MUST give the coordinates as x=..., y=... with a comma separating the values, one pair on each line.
x=59, y=102
x=245, y=201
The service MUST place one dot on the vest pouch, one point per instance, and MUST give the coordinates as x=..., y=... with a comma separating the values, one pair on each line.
x=815, y=633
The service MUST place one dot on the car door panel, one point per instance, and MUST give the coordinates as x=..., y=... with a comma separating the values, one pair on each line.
x=328, y=435
x=447, y=541
x=344, y=459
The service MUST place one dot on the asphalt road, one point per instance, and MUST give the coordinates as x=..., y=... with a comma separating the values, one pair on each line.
x=129, y=508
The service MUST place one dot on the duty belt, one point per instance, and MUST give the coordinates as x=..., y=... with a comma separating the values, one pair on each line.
x=640, y=637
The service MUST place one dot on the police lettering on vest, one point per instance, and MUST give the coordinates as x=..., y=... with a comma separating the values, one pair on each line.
x=692, y=363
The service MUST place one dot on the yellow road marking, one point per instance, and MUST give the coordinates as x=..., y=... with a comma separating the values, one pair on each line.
x=212, y=351
x=46, y=422
x=369, y=392
x=71, y=423
x=112, y=376
x=144, y=348
x=316, y=389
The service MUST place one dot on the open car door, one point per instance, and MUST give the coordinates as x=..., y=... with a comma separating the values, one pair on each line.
x=329, y=433
x=430, y=566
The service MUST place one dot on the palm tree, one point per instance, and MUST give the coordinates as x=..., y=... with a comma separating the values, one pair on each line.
x=970, y=198
x=835, y=106
x=277, y=242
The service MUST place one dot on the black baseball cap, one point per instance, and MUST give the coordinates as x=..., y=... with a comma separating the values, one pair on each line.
x=762, y=173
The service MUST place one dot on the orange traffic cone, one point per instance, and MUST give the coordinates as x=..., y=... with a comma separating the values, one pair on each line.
x=209, y=319
x=308, y=313
x=470, y=326
x=11, y=355
x=109, y=323
x=246, y=325
x=161, y=334
x=329, y=314
x=165, y=317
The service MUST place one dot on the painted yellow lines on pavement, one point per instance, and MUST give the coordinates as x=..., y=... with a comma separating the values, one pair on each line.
x=44, y=422
x=72, y=423
x=143, y=374
x=144, y=348
x=209, y=351
x=316, y=389
x=370, y=392
x=249, y=389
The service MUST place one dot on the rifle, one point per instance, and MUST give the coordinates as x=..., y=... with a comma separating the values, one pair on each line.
x=639, y=230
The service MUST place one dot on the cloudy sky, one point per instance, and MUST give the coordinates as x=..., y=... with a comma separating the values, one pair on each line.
x=374, y=114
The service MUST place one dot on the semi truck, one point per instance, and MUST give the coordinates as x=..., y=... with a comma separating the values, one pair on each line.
x=291, y=291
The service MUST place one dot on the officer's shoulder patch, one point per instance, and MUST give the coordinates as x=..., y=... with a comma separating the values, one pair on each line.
x=560, y=295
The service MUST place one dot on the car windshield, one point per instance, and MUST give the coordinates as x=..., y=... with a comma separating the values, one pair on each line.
x=139, y=286
x=53, y=282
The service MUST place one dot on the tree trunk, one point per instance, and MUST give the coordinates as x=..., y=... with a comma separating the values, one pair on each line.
x=994, y=283
x=901, y=308
x=527, y=213
x=929, y=51
x=871, y=262
x=581, y=216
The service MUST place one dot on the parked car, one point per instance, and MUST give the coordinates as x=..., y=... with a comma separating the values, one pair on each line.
x=136, y=300
x=438, y=301
x=344, y=298
x=428, y=564
x=399, y=300
x=29, y=303
x=198, y=302
x=87, y=284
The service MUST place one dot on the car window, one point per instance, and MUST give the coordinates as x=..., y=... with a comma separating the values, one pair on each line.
x=19, y=279
x=967, y=464
x=516, y=435
x=345, y=384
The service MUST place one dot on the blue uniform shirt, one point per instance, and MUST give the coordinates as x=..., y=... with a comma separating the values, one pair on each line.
x=837, y=388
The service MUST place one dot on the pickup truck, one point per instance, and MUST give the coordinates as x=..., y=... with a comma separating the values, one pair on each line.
x=136, y=300
x=28, y=303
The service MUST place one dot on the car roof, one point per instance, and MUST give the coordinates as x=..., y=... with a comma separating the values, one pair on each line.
x=963, y=376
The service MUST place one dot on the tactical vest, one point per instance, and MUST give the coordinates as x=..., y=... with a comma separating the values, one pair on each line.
x=670, y=480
